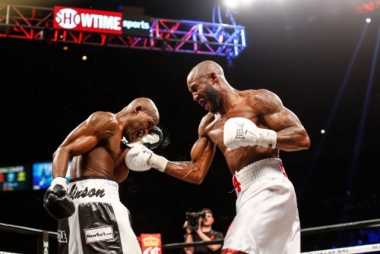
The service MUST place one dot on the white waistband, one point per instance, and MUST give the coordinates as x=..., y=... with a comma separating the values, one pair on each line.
x=259, y=170
x=93, y=190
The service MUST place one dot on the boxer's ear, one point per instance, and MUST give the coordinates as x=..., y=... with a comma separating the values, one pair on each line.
x=137, y=109
x=214, y=77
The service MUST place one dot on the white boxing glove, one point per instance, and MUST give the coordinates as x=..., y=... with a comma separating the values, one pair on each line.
x=241, y=131
x=140, y=158
x=152, y=140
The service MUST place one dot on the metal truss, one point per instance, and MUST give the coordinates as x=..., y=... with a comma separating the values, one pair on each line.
x=183, y=36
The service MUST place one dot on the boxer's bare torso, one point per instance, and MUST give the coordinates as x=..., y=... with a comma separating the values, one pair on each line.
x=263, y=108
x=95, y=145
x=95, y=148
x=212, y=127
x=103, y=159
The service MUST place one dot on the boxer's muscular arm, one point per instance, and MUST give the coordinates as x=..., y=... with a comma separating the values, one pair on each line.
x=99, y=125
x=202, y=154
x=140, y=158
x=291, y=135
x=194, y=171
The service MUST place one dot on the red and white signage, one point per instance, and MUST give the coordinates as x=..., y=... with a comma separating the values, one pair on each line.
x=88, y=20
x=151, y=243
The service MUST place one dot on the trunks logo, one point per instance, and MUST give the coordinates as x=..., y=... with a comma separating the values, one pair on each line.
x=98, y=234
x=75, y=193
x=61, y=236
x=282, y=168
x=236, y=184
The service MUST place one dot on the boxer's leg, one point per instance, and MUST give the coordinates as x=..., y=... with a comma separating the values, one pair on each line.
x=128, y=238
x=68, y=235
x=263, y=223
x=294, y=241
x=75, y=243
x=99, y=229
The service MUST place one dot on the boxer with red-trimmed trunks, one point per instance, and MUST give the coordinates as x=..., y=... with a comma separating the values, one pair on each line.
x=250, y=127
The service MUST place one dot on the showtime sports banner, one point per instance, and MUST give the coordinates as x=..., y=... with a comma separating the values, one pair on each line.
x=99, y=21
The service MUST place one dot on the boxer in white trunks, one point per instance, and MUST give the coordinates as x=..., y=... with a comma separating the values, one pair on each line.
x=249, y=127
x=91, y=218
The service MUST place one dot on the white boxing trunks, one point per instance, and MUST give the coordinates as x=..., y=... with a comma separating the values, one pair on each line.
x=266, y=220
x=100, y=224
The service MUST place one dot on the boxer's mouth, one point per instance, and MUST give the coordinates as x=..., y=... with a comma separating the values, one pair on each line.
x=202, y=102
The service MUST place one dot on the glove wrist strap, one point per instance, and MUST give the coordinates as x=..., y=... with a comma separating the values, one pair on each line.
x=158, y=162
x=268, y=138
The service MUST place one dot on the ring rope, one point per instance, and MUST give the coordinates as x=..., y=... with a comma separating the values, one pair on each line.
x=342, y=226
x=355, y=249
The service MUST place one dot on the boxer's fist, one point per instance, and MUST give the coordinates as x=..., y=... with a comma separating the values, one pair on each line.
x=152, y=140
x=240, y=132
x=56, y=201
x=140, y=158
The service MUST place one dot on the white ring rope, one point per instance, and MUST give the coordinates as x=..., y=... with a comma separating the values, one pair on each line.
x=356, y=249
x=342, y=226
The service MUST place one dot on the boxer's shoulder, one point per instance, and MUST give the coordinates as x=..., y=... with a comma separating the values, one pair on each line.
x=206, y=120
x=101, y=122
x=261, y=95
x=262, y=100
x=207, y=124
x=101, y=116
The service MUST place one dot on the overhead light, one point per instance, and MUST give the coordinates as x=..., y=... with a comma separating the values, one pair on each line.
x=231, y=3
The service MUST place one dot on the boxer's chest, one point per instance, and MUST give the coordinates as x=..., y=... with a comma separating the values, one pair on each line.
x=215, y=128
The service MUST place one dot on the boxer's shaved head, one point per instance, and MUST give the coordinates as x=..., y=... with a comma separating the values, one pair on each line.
x=205, y=68
x=146, y=105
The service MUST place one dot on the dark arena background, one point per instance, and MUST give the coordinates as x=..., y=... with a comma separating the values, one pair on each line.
x=320, y=57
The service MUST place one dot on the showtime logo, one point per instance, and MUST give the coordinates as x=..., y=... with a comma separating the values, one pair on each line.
x=87, y=20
